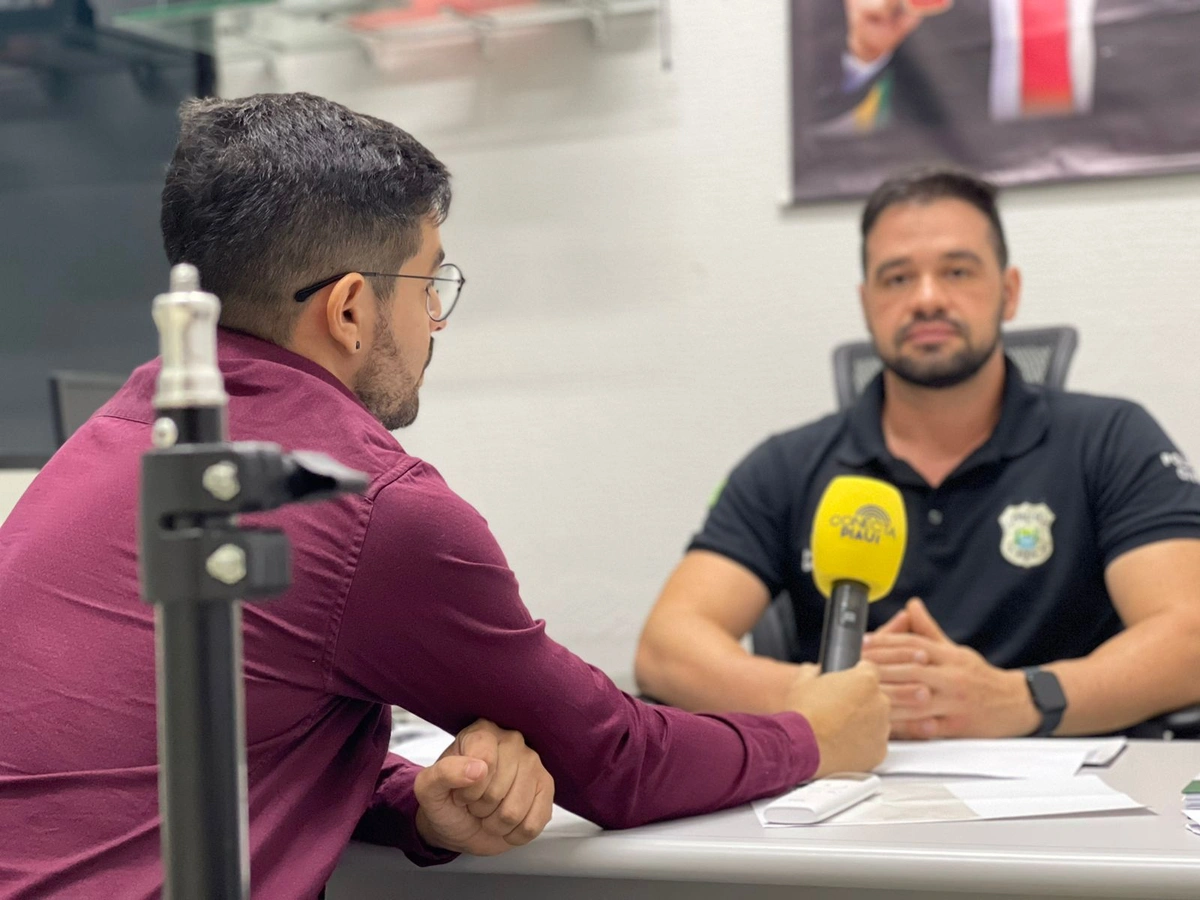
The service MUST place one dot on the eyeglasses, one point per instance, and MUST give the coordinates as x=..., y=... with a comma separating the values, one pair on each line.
x=441, y=294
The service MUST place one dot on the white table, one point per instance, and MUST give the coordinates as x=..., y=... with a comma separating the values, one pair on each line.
x=729, y=855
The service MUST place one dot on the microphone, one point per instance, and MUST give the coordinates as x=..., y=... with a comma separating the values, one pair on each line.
x=858, y=539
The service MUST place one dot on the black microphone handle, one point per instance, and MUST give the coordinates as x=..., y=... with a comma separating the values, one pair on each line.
x=845, y=625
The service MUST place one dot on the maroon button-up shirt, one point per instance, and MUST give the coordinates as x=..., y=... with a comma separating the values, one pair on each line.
x=399, y=596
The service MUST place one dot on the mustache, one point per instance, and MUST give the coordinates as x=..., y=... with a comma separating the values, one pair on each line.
x=941, y=318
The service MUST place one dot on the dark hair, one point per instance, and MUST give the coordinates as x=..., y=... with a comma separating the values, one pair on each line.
x=271, y=192
x=928, y=184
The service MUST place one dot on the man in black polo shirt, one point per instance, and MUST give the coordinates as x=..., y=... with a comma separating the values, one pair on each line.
x=1054, y=538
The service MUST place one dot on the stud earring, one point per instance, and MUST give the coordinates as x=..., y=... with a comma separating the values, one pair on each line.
x=357, y=345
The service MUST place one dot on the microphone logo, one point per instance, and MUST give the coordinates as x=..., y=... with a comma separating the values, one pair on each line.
x=869, y=524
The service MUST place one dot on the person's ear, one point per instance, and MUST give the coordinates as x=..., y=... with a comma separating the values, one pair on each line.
x=349, y=312
x=1011, y=293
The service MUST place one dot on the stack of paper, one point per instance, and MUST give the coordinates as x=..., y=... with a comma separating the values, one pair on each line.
x=976, y=759
x=910, y=802
x=1016, y=778
x=1009, y=758
x=1191, y=805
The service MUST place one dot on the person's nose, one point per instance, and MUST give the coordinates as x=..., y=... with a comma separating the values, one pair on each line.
x=928, y=298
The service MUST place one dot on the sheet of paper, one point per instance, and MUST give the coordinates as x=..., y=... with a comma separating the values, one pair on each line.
x=1007, y=758
x=423, y=744
x=1041, y=797
x=422, y=748
x=981, y=759
x=910, y=802
x=1100, y=751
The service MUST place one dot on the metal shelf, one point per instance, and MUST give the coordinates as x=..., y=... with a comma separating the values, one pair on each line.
x=263, y=28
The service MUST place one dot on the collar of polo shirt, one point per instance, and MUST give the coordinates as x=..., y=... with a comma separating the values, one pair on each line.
x=1024, y=420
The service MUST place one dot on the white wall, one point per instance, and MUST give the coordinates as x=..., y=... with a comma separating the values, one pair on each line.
x=12, y=484
x=641, y=310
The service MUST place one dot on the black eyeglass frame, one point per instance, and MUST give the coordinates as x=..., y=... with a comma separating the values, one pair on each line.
x=305, y=292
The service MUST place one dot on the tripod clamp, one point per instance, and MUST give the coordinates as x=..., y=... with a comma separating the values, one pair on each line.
x=193, y=550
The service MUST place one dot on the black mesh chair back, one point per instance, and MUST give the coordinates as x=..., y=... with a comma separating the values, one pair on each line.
x=1042, y=355
x=74, y=396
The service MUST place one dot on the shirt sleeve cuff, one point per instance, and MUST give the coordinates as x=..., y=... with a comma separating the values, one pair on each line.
x=391, y=818
x=803, y=742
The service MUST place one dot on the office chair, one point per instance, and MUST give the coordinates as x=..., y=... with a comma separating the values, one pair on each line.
x=74, y=396
x=1042, y=355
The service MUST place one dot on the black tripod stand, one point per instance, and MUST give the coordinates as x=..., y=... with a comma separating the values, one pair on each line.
x=197, y=564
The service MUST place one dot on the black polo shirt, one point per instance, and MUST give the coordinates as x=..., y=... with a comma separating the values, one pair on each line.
x=1009, y=552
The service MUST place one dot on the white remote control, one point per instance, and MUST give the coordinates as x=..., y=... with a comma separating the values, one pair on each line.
x=818, y=800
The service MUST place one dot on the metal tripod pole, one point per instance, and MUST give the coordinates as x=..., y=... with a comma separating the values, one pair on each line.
x=201, y=705
x=197, y=565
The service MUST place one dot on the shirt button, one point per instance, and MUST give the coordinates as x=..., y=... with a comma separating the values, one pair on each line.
x=935, y=517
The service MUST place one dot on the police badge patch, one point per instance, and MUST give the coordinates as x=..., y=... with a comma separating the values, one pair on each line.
x=1025, y=538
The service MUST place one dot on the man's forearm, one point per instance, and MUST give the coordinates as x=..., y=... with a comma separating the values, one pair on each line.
x=701, y=668
x=1150, y=668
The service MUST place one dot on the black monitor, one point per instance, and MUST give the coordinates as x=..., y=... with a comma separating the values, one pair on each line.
x=74, y=396
x=33, y=15
x=88, y=122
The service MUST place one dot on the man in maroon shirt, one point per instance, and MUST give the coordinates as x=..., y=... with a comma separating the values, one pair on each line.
x=319, y=230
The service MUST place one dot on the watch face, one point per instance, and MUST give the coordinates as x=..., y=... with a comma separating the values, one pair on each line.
x=1047, y=692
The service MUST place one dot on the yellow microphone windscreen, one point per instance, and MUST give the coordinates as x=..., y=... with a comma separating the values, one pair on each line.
x=859, y=534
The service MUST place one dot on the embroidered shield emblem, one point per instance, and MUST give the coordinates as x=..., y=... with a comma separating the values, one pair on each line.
x=1025, y=538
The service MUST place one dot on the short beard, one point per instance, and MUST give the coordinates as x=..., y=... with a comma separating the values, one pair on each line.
x=961, y=367
x=383, y=385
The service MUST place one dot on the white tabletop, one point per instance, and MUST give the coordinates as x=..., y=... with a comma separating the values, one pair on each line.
x=1142, y=854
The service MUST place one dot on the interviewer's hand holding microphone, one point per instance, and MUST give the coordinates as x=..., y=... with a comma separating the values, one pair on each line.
x=935, y=687
x=858, y=540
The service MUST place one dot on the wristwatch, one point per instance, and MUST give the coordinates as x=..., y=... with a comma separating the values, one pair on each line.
x=1048, y=697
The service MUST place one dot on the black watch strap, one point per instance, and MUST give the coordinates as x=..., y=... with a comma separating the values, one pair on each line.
x=1048, y=697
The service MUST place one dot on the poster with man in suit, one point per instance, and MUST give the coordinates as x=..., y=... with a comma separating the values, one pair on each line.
x=1018, y=90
